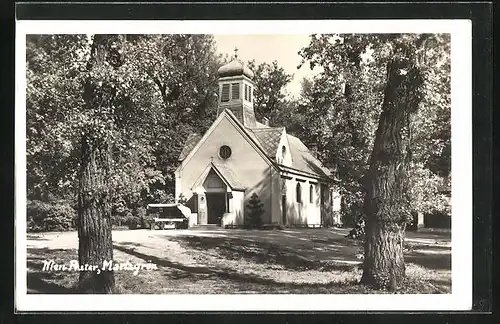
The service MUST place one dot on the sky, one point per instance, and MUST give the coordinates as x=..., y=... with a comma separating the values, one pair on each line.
x=262, y=48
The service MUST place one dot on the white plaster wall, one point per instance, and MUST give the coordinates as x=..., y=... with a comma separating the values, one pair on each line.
x=235, y=215
x=275, y=197
x=313, y=210
x=236, y=207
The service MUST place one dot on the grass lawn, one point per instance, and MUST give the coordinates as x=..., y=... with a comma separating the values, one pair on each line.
x=297, y=261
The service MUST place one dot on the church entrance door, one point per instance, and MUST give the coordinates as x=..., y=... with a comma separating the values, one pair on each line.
x=216, y=205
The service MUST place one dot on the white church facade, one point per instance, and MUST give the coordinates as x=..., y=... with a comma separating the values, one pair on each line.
x=238, y=156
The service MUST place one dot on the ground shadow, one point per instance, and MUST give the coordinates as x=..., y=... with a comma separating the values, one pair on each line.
x=37, y=284
x=195, y=273
x=289, y=257
x=430, y=261
x=338, y=240
x=41, y=281
x=429, y=247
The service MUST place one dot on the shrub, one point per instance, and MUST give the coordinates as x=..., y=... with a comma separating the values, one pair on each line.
x=133, y=222
x=148, y=221
x=140, y=213
x=50, y=216
x=118, y=220
x=255, y=212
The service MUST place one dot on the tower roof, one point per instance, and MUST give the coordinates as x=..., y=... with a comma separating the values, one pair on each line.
x=235, y=68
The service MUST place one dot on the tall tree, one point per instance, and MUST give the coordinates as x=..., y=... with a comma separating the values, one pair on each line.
x=95, y=185
x=269, y=95
x=180, y=73
x=386, y=203
x=106, y=119
x=341, y=106
x=393, y=75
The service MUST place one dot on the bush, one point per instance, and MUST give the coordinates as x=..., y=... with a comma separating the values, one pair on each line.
x=351, y=210
x=133, y=222
x=140, y=213
x=118, y=220
x=254, y=216
x=50, y=216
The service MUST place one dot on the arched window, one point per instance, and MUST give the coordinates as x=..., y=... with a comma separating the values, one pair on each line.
x=298, y=193
x=311, y=194
x=281, y=158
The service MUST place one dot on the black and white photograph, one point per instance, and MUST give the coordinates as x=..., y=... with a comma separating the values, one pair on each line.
x=242, y=165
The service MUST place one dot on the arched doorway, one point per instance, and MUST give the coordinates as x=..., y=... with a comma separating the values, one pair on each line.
x=217, y=198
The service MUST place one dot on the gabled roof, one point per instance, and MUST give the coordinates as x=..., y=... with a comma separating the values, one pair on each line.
x=269, y=139
x=303, y=160
x=228, y=176
x=191, y=141
x=224, y=173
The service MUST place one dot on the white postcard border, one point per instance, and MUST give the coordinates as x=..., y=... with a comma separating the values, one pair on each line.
x=459, y=299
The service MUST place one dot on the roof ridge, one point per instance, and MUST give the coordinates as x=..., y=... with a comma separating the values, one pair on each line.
x=266, y=128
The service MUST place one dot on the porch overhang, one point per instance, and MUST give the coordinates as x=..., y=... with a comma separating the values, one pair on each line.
x=224, y=173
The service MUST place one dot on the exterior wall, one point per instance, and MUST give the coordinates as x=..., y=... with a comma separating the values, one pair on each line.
x=202, y=210
x=336, y=201
x=287, y=159
x=263, y=189
x=304, y=212
x=275, y=197
x=313, y=209
x=236, y=206
x=248, y=166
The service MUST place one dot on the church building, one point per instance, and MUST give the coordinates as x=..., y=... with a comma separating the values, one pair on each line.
x=239, y=156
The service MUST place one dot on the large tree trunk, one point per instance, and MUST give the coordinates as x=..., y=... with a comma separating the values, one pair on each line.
x=386, y=204
x=94, y=216
x=94, y=207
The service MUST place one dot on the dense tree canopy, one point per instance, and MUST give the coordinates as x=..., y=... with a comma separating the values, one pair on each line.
x=270, y=94
x=163, y=88
x=166, y=89
x=343, y=103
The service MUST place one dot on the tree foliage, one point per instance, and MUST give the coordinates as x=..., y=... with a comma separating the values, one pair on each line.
x=404, y=79
x=132, y=100
x=107, y=116
x=342, y=104
x=270, y=94
x=163, y=89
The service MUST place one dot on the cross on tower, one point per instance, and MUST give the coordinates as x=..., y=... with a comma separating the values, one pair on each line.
x=235, y=52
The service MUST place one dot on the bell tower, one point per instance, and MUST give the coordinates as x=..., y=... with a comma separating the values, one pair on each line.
x=236, y=90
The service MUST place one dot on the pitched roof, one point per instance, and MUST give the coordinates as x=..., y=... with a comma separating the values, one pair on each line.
x=191, y=141
x=228, y=175
x=269, y=139
x=303, y=160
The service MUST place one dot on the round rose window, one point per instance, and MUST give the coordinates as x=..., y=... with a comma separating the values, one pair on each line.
x=225, y=152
